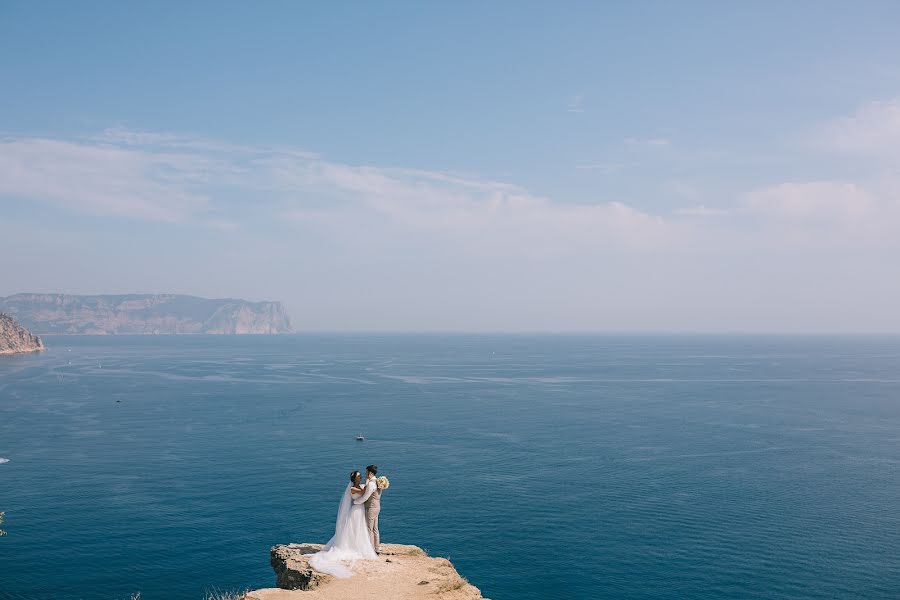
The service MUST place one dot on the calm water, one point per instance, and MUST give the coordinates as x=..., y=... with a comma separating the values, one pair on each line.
x=543, y=466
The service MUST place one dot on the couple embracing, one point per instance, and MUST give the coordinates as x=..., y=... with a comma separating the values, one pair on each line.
x=356, y=530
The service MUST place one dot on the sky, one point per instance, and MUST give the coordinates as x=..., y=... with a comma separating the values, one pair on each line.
x=464, y=166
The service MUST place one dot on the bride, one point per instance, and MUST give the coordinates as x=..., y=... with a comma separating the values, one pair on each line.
x=351, y=537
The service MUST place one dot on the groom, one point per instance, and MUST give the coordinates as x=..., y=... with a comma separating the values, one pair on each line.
x=372, y=499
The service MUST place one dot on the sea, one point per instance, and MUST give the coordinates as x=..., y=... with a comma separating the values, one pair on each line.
x=542, y=466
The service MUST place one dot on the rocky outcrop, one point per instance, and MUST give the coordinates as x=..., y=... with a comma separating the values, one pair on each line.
x=401, y=572
x=136, y=314
x=292, y=570
x=15, y=339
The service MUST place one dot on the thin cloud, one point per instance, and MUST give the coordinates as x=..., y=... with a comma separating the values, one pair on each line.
x=102, y=180
x=174, y=178
x=812, y=200
x=872, y=130
x=701, y=211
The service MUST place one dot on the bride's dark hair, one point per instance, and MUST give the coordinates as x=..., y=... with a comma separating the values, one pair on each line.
x=353, y=476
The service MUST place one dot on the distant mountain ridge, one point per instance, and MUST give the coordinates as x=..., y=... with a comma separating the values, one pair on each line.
x=144, y=314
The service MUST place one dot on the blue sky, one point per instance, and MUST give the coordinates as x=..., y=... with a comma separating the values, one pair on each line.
x=463, y=166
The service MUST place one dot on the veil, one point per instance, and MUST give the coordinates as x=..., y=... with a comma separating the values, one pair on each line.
x=350, y=541
x=342, y=519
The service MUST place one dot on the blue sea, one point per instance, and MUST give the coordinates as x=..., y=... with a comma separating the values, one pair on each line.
x=543, y=466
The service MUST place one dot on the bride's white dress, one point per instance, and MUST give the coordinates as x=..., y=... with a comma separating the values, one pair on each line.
x=350, y=541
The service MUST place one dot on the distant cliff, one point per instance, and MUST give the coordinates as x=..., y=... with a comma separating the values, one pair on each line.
x=15, y=339
x=133, y=314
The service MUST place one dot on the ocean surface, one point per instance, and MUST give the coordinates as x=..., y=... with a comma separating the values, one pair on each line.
x=542, y=466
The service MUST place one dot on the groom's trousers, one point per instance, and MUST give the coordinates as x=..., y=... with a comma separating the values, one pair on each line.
x=372, y=524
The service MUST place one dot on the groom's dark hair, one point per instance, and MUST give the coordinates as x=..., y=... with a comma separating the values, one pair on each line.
x=373, y=469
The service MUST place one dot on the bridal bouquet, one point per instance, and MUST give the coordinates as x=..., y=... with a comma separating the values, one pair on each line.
x=383, y=483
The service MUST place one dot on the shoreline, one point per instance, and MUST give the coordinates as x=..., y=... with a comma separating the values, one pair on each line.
x=15, y=352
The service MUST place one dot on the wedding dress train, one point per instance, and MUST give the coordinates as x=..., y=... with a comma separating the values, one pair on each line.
x=350, y=542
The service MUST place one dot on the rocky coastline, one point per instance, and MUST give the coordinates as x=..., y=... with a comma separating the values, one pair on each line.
x=401, y=572
x=15, y=339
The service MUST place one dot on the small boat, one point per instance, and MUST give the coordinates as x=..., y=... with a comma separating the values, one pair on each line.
x=360, y=438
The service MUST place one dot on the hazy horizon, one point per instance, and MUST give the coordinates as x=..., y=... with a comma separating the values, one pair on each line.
x=695, y=168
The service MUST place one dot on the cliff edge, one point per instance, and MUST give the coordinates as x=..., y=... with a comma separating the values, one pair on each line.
x=15, y=339
x=401, y=572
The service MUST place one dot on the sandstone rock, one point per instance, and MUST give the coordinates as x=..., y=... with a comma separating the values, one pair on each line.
x=292, y=570
x=409, y=574
x=15, y=339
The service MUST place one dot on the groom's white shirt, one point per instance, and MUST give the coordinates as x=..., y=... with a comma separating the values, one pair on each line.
x=370, y=487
